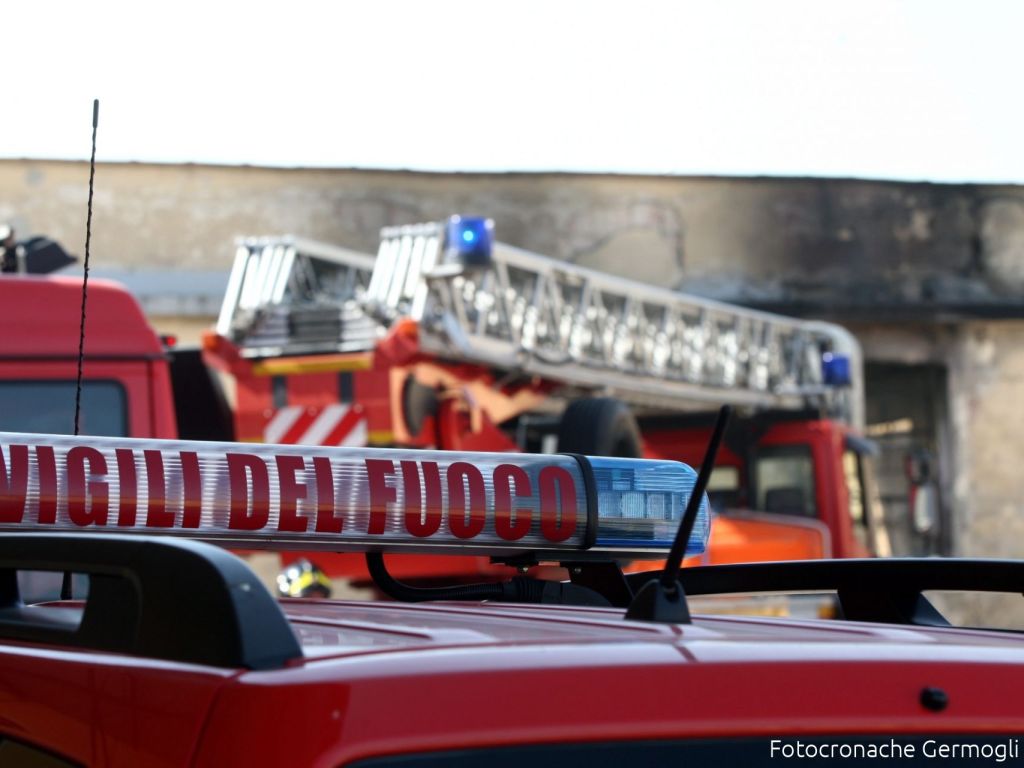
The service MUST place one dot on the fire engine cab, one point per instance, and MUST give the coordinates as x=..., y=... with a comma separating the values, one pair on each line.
x=163, y=649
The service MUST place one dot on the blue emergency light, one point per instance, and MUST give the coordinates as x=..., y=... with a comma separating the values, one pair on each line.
x=835, y=370
x=470, y=241
x=641, y=502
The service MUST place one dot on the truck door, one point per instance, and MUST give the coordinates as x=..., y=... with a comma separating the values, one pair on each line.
x=866, y=513
x=818, y=470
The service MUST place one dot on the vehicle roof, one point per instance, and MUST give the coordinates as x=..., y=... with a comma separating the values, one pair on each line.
x=339, y=629
x=43, y=314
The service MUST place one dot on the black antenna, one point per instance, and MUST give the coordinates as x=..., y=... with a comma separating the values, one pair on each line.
x=663, y=599
x=85, y=279
x=65, y=587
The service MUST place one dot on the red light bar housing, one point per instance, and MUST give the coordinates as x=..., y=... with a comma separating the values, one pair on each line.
x=341, y=499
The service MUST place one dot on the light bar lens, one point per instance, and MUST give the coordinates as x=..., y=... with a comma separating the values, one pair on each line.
x=835, y=370
x=641, y=503
x=470, y=241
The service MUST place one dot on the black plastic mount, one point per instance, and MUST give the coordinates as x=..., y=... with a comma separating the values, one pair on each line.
x=880, y=590
x=590, y=489
x=161, y=598
x=656, y=602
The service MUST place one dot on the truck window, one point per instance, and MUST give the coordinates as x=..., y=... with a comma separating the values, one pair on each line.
x=784, y=481
x=48, y=406
x=724, y=488
x=854, y=478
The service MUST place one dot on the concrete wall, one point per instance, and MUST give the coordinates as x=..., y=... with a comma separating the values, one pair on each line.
x=983, y=439
x=854, y=246
x=988, y=371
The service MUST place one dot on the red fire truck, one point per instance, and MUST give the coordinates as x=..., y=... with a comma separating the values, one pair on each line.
x=448, y=340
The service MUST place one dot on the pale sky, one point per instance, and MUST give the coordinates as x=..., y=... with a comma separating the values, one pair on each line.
x=895, y=89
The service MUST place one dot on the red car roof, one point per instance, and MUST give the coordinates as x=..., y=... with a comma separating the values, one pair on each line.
x=385, y=678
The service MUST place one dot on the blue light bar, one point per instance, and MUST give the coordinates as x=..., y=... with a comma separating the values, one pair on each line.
x=835, y=370
x=640, y=504
x=470, y=241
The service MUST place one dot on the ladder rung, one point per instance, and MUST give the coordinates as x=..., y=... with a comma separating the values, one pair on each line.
x=289, y=295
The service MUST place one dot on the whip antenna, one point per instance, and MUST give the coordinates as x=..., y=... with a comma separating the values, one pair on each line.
x=65, y=588
x=85, y=279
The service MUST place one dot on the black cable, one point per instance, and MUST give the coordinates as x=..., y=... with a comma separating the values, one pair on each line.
x=520, y=589
x=406, y=594
x=65, y=587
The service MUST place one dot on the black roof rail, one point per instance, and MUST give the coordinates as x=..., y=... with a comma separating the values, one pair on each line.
x=880, y=590
x=162, y=598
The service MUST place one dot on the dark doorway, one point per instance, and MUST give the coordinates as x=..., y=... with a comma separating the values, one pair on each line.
x=907, y=415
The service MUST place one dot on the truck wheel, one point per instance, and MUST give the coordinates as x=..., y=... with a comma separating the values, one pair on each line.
x=418, y=402
x=599, y=426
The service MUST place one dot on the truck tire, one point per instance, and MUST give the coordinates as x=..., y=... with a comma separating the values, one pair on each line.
x=418, y=402
x=599, y=426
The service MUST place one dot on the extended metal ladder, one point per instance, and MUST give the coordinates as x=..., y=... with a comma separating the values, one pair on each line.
x=287, y=295
x=646, y=345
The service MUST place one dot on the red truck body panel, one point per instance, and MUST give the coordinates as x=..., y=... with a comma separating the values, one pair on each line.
x=40, y=342
x=100, y=709
x=43, y=316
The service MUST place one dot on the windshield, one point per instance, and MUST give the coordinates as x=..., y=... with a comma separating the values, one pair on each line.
x=48, y=407
x=784, y=480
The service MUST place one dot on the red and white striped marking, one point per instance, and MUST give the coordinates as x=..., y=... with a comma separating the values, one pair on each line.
x=301, y=425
